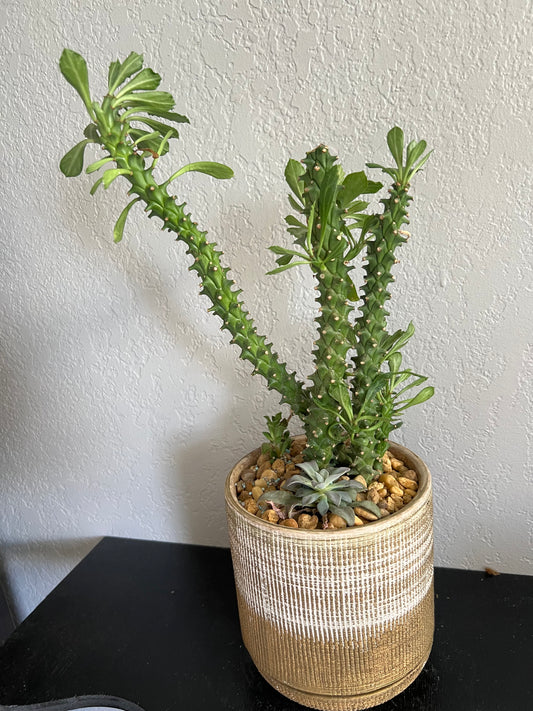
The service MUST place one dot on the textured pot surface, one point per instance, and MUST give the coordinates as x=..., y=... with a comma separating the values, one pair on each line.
x=337, y=620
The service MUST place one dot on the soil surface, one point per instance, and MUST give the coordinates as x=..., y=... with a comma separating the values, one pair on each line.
x=395, y=488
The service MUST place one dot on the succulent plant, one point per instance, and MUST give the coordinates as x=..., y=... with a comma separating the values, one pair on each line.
x=358, y=388
x=322, y=489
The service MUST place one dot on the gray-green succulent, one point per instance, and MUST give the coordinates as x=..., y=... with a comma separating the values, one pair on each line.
x=323, y=489
x=358, y=387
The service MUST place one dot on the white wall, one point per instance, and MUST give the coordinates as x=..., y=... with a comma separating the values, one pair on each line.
x=122, y=404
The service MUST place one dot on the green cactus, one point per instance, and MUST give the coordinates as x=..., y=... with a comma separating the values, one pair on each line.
x=350, y=407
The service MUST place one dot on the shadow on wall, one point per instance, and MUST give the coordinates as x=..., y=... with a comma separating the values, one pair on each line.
x=22, y=560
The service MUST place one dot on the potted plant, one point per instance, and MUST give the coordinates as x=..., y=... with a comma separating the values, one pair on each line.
x=331, y=531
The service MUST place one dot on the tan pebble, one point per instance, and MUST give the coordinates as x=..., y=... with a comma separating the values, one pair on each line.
x=382, y=504
x=335, y=521
x=291, y=469
x=361, y=479
x=388, y=480
x=396, y=491
x=390, y=504
x=270, y=516
x=363, y=513
x=289, y=523
x=257, y=492
x=307, y=521
x=373, y=496
x=262, y=458
x=397, y=499
x=402, y=470
x=407, y=483
x=385, y=512
x=248, y=486
x=265, y=467
x=278, y=466
x=410, y=474
x=384, y=492
x=298, y=459
x=396, y=463
x=251, y=506
x=360, y=497
x=271, y=487
x=244, y=496
x=248, y=475
x=260, y=482
x=407, y=497
x=358, y=521
x=296, y=448
x=376, y=485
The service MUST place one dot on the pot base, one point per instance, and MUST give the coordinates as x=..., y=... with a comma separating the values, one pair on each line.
x=346, y=703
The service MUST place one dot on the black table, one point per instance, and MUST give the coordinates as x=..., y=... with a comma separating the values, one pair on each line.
x=139, y=624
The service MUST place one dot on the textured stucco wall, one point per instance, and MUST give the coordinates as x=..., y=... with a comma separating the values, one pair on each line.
x=122, y=405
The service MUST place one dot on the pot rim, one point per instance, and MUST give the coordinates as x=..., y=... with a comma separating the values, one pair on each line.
x=369, y=529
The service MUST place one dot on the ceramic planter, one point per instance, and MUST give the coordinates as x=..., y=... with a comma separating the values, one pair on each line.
x=337, y=620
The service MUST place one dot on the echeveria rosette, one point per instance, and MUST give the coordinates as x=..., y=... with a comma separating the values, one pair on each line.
x=318, y=488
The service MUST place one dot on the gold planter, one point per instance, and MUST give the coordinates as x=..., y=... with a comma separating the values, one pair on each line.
x=336, y=620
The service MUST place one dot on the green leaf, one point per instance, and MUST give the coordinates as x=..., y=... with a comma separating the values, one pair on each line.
x=159, y=126
x=150, y=141
x=91, y=132
x=395, y=362
x=283, y=250
x=118, y=230
x=117, y=74
x=72, y=162
x=398, y=339
x=171, y=116
x=395, y=143
x=340, y=393
x=291, y=220
x=355, y=184
x=146, y=101
x=279, y=496
x=293, y=171
x=328, y=194
x=323, y=505
x=74, y=69
x=215, y=170
x=345, y=512
x=294, y=204
x=352, y=292
x=414, y=151
x=284, y=268
x=96, y=186
x=110, y=175
x=369, y=506
x=98, y=164
x=282, y=261
x=144, y=81
x=419, y=398
x=112, y=74
x=421, y=163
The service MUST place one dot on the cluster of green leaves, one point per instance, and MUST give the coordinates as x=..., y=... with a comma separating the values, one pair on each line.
x=277, y=435
x=315, y=206
x=143, y=112
x=322, y=489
